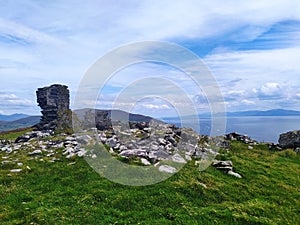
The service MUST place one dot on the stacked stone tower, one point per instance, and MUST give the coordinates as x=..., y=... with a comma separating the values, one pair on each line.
x=54, y=102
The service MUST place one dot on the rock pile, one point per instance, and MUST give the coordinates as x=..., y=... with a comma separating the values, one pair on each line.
x=239, y=137
x=154, y=142
x=226, y=167
x=148, y=140
x=151, y=145
x=54, y=102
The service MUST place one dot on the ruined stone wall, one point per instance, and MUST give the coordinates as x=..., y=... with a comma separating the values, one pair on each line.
x=54, y=102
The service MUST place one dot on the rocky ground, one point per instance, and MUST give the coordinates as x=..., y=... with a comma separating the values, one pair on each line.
x=150, y=144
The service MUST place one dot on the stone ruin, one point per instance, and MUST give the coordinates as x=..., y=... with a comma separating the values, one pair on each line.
x=54, y=102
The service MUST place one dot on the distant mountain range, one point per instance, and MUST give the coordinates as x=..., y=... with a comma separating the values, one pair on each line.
x=102, y=118
x=272, y=112
x=13, y=117
x=19, y=123
x=15, y=121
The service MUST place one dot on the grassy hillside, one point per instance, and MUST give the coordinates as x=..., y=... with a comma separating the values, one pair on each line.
x=20, y=123
x=70, y=192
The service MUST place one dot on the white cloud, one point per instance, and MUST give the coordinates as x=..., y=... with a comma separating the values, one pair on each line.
x=41, y=44
x=270, y=91
x=247, y=102
x=24, y=35
x=10, y=102
x=152, y=106
x=8, y=97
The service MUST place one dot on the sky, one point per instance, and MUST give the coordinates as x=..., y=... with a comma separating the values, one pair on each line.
x=252, y=49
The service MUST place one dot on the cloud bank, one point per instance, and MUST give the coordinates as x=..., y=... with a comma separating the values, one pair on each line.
x=251, y=47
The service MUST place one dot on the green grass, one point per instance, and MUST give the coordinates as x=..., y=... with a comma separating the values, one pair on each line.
x=60, y=193
x=12, y=135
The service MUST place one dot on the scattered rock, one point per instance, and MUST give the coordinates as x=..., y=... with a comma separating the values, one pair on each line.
x=134, y=152
x=23, y=138
x=35, y=152
x=145, y=162
x=203, y=185
x=6, y=162
x=274, y=147
x=224, y=166
x=178, y=158
x=239, y=137
x=167, y=169
x=230, y=172
x=15, y=170
x=84, y=139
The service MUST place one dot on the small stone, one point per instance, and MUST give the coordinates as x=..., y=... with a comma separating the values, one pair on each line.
x=162, y=141
x=15, y=170
x=178, y=158
x=230, y=172
x=20, y=164
x=203, y=185
x=84, y=139
x=250, y=147
x=70, y=155
x=188, y=157
x=167, y=169
x=68, y=151
x=223, y=165
x=36, y=152
x=145, y=162
x=6, y=161
x=94, y=156
x=81, y=153
x=69, y=138
x=112, y=142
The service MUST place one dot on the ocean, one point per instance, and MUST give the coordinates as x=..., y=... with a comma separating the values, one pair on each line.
x=263, y=129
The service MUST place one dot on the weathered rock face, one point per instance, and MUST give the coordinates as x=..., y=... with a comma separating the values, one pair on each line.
x=54, y=102
x=290, y=139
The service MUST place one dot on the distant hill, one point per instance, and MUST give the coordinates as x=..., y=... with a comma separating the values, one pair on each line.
x=19, y=123
x=12, y=117
x=117, y=114
x=272, y=112
x=102, y=118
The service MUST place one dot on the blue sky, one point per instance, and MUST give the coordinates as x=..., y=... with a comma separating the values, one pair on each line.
x=251, y=47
